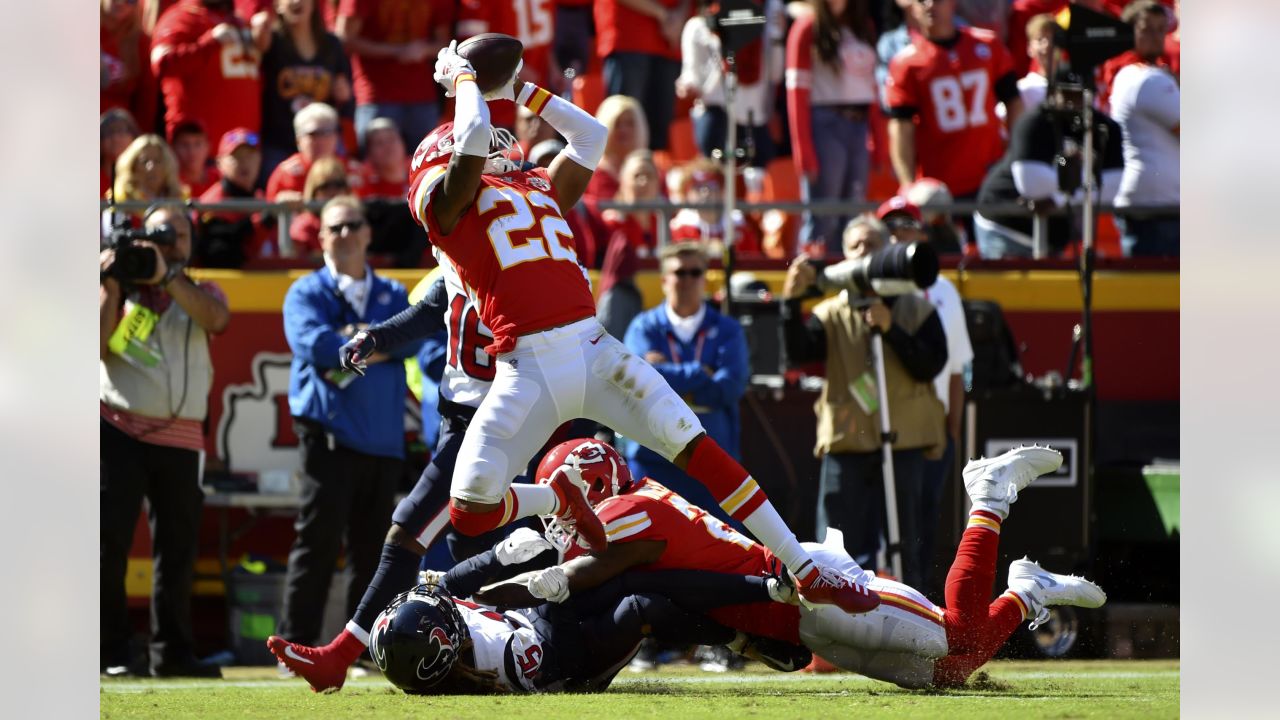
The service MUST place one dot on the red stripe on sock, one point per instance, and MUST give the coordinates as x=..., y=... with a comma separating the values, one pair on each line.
x=750, y=506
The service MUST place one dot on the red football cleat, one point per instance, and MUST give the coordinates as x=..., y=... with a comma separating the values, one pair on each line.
x=325, y=668
x=829, y=587
x=576, y=511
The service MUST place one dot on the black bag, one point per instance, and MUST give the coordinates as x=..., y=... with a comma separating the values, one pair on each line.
x=995, y=355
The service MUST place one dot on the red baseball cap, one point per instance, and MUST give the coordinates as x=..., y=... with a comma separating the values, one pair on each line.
x=236, y=137
x=899, y=204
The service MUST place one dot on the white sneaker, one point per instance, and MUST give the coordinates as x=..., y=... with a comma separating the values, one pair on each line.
x=993, y=483
x=1042, y=588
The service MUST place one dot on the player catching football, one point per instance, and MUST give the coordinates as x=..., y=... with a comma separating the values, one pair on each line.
x=502, y=230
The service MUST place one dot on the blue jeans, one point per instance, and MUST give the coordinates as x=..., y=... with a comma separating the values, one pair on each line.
x=1148, y=237
x=843, y=165
x=415, y=120
x=650, y=79
x=711, y=126
x=851, y=499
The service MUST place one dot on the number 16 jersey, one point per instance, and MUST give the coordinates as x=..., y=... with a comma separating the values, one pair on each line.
x=512, y=250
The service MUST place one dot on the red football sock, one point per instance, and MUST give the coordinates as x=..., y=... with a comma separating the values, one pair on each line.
x=477, y=523
x=730, y=483
x=1003, y=617
x=970, y=580
x=347, y=646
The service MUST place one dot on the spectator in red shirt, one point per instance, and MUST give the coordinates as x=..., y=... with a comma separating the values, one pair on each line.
x=327, y=179
x=533, y=22
x=124, y=51
x=703, y=182
x=831, y=62
x=393, y=45
x=116, y=129
x=941, y=94
x=631, y=235
x=208, y=67
x=316, y=129
x=640, y=43
x=386, y=163
x=227, y=239
x=191, y=146
x=628, y=132
x=301, y=63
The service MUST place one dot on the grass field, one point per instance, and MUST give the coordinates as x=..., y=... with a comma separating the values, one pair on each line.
x=1067, y=689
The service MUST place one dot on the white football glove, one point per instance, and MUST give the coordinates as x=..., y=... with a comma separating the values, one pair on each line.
x=507, y=90
x=430, y=578
x=550, y=584
x=449, y=65
x=521, y=546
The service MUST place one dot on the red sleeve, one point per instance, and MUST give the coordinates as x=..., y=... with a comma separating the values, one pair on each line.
x=174, y=50
x=799, y=67
x=275, y=181
x=349, y=8
x=900, y=89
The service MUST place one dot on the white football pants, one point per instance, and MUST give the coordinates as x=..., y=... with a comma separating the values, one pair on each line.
x=575, y=371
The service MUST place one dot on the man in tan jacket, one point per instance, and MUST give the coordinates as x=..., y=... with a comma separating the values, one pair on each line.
x=839, y=331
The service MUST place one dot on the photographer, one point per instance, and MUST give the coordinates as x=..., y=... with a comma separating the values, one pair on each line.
x=839, y=331
x=1043, y=168
x=154, y=380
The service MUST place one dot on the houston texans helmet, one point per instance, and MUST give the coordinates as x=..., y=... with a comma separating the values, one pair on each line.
x=438, y=146
x=416, y=640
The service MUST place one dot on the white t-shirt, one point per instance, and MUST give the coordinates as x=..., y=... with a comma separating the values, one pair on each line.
x=946, y=301
x=700, y=67
x=1145, y=100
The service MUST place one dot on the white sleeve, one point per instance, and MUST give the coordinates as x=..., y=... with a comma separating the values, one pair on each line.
x=1160, y=99
x=1034, y=179
x=690, y=58
x=584, y=135
x=470, y=120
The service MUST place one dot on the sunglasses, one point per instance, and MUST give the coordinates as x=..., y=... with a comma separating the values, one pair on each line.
x=350, y=225
x=322, y=132
x=903, y=223
x=683, y=273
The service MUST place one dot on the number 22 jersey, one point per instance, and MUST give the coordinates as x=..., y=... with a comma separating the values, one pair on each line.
x=511, y=249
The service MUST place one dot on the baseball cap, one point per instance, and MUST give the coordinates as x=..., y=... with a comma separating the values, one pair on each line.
x=236, y=137
x=898, y=204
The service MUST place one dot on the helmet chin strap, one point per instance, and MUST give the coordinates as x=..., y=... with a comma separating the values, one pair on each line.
x=501, y=141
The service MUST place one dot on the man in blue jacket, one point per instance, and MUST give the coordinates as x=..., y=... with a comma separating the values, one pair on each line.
x=351, y=434
x=701, y=354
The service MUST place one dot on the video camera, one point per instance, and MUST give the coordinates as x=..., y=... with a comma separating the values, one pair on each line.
x=894, y=270
x=135, y=262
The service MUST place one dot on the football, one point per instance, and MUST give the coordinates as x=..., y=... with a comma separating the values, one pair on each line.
x=494, y=57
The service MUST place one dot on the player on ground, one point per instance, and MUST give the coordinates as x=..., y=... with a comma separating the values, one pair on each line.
x=449, y=645
x=907, y=640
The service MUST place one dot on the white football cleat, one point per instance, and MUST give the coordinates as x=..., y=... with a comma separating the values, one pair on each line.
x=993, y=483
x=1042, y=588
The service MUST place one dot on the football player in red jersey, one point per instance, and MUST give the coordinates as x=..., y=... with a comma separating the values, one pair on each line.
x=941, y=94
x=504, y=232
x=907, y=640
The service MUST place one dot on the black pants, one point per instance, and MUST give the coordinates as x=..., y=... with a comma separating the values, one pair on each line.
x=344, y=493
x=169, y=478
x=851, y=499
x=649, y=79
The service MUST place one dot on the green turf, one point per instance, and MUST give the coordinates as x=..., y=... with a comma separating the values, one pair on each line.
x=1070, y=689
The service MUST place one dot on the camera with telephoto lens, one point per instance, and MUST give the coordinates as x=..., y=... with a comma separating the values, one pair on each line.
x=135, y=262
x=893, y=270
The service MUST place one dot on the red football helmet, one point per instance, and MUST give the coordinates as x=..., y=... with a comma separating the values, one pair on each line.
x=437, y=147
x=593, y=466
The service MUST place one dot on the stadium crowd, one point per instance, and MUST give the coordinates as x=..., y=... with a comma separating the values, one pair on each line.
x=315, y=104
x=838, y=99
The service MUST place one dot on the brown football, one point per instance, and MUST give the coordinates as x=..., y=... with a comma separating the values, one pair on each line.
x=494, y=57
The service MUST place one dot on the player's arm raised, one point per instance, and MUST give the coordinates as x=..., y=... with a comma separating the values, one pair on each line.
x=584, y=137
x=471, y=133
